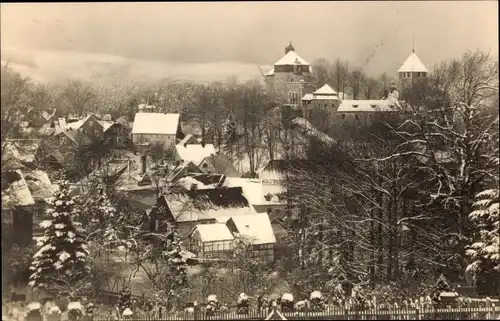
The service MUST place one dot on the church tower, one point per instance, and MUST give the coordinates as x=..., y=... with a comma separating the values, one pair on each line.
x=290, y=77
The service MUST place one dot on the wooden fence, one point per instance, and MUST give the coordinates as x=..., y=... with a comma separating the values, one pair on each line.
x=490, y=313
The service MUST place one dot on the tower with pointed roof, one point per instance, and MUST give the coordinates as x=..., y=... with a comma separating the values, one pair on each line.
x=412, y=69
x=290, y=77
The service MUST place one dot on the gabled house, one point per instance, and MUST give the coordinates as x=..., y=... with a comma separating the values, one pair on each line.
x=204, y=206
x=252, y=233
x=218, y=164
x=211, y=241
x=156, y=127
x=23, y=202
x=255, y=233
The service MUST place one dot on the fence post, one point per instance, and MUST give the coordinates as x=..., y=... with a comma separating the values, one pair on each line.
x=417, y=315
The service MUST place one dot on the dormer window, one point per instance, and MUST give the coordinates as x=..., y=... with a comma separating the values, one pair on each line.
x=268, y=197
x=391, y=105
x=373, y=105
x=355, y=106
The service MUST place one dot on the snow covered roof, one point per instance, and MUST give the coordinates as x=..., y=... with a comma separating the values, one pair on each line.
x=194, y=152
x=307, y=97
x=413, y=64
x=270, y=72
x=22, y=150
x=325, y=90
x=291, y=58
x=367, y=106
x=189, y=139
x=307, y=129
x=222, y=165
x=106, y=124
x=146, y=106
x=75, y=125
x=39, y=184
x=255, y=228
x=155, y=123
x=213, y=232
x=252, y=189
x=18, y=192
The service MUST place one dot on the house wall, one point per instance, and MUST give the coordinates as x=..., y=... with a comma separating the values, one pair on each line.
x=168, y=140
x=184, y=228
x=91, y=128
x=285, y=83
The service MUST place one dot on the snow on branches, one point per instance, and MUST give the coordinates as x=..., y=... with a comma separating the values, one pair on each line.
x=485, y=252
x=62, y=249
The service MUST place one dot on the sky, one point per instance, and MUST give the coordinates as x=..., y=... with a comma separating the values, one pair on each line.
x=210, y=41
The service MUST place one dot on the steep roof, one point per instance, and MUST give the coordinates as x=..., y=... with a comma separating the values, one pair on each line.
x=155, y=123
x=256, y=228
x=291, y=58
x=367, y=106
x=413, y=64
x=75, y=136
x=213, y=232
x=325, y=90
x=194, y=152
x=222, y=165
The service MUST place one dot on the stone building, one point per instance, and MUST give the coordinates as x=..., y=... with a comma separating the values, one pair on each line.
x=290, y=77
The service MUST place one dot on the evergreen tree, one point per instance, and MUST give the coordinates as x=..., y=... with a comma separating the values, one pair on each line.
x=229, y=135
x=176, y=260
x=485, y=252
x=124, y=302
x=62, y=250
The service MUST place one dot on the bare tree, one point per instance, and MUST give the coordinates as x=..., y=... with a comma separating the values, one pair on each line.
x=449, y=127
x=79, y=97
x=322, y=71
x=341, y=75
x=357, y=80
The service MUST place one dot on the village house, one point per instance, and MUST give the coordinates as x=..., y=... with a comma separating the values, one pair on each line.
x=24, y=190
x=251, y=233
x=156, y=128
x=214, y=164
x=202, y=206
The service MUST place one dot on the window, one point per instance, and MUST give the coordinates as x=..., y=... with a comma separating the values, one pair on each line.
x=205, y=165
x=62, y=139
x=326, y=105
x=356, y=116
x=355, y=106
x=90, y=123
x=269, y=210
x=342, y=116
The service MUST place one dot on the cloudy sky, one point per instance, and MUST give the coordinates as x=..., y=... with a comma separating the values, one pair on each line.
x=211, y=41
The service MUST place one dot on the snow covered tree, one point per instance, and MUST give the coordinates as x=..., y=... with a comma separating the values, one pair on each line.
x=61, y=258
x=485, y=252
x=229, y=135
x=162, y=259
x=440, y=287
x=124, y=302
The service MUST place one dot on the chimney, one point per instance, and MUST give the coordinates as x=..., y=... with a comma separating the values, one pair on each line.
x=143, y=164
x=194, y=187
x=129, y=165
x=203, y=144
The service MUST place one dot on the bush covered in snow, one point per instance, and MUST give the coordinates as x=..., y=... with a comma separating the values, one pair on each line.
x=317, y=301
x=212, y=305
x=287, y=302
x=243, y=304
x=124, y=302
